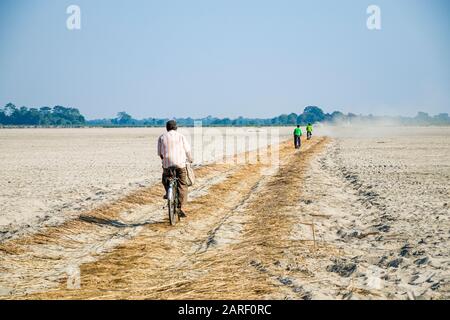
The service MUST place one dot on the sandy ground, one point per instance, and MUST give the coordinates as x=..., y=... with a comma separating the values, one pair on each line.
x=360, y=214
x=51, y=175
x=386, y=206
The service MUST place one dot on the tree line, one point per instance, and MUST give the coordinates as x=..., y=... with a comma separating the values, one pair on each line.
x=62, y=116
x=310, y=114
x=43, y=116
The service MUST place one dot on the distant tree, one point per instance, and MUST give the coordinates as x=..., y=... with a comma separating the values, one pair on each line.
x=161, y=122
x=45, y=114
x=9, y=109
x=292, y=118
x=45, y=110
x=34, y=116
x=66, y=116
x=226, y=122
x=21, y=116
x=337, y=116
x=124, y=118
x=327, y=117
x=441, y=118
x=312, y=114
x=239, y=122
x=422, y=116
x=2, y=117
x=283, y=119
x=274, y=121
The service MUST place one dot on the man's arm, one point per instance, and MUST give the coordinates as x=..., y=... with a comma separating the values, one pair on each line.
x=160, y=148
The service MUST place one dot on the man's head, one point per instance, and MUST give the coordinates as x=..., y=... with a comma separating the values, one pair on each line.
x=171, y=125
x=298, y=126
x=309, y=124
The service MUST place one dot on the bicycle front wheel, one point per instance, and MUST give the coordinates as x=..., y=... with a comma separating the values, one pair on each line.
x=173, y=206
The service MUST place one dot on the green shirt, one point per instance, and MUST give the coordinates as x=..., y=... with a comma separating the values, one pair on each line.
x=308, y=128
x=297, y=132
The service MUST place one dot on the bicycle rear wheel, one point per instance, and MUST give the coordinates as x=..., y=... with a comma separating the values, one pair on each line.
x=173, y=205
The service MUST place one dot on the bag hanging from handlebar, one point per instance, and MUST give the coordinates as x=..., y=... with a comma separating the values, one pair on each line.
x=190, y=175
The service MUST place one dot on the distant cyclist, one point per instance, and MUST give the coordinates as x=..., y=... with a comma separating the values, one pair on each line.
x=297, y=137
x=309, y=129
x=174, y=151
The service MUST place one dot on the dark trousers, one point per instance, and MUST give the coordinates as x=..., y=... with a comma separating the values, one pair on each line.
x=182, y=183
x=297, y=142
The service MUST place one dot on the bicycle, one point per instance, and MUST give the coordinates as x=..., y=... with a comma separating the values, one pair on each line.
x=173, y=197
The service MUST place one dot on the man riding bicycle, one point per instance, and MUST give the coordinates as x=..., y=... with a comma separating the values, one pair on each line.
x=297, y=137
x=174, y=151
x=309, y=130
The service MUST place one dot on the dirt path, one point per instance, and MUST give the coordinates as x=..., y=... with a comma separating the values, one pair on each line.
x=230, y=246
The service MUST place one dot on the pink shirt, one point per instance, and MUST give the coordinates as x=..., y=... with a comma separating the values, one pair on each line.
x=174, y=149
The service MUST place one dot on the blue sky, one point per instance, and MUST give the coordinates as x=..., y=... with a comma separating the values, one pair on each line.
x=226, y=58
